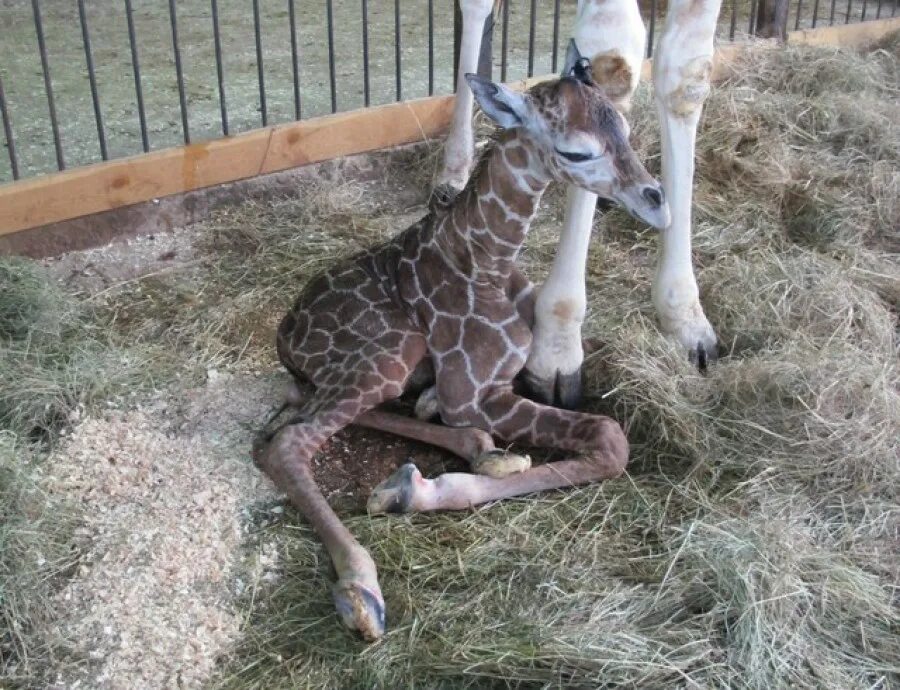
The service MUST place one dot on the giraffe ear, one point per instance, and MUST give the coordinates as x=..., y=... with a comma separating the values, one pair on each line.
x=577, y=65
x=504, y=106
x=573, y=55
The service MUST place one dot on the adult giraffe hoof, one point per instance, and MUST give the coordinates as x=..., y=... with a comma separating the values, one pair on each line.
x=701, y=344
x=361, y=608
x=499, y=463
x=559, y=390
x=703, y=355
x=395, y=494
x=567, y=393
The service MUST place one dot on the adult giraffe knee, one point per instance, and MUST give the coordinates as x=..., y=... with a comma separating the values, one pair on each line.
x=681, y=72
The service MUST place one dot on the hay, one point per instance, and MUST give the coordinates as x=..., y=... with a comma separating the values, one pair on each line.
x=56, y=355
x=37, y=552
x=754, y=542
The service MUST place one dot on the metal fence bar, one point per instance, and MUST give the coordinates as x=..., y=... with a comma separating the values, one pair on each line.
x=532, y=25
x=179, y=74
x=295, y=59
x=397, y=50
x=220, y=72
x=430, y=47
x=48, y=86
x=510, y=59
x=136, y=68
x=555, y=36
x=332, y=75
x=92, y=77
x=504, y=55
x=365, y=38
x=7, y=131
x=260, y=71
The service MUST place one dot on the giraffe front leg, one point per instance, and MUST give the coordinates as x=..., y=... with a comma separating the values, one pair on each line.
x=681, y=71
x=599, y=441
x=471, y=444
x=611, y=34
x=459, y=149
x=357, y=595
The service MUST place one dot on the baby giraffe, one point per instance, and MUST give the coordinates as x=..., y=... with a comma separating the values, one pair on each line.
x=444, y=299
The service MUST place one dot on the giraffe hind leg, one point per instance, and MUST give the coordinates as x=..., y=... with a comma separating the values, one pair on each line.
x=287, y=461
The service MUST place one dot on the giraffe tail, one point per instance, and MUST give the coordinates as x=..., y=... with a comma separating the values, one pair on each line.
x=265, y=435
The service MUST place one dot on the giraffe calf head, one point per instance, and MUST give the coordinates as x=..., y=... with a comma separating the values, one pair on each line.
x=578, y=136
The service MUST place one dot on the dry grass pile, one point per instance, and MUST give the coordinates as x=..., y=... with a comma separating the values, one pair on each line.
x=57, y=356
x=36, y=554
x=55, y=362
x=756, y=541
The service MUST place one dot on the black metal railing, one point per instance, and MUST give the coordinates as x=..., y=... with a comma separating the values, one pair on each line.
x=116, y=77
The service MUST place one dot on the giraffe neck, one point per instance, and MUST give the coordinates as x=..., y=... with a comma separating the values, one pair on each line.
x=487, y=224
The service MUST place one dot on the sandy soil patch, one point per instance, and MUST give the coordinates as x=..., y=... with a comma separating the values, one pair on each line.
x=165, y=489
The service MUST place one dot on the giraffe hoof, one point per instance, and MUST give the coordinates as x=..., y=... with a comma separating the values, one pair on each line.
x=703, y=355
x=568, y=390
x=538, y=388
x=361, y=609
x=499, y=463
x=560, y=390
x=395, y=494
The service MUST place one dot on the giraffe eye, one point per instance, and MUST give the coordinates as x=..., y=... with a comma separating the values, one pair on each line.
x=575, y=156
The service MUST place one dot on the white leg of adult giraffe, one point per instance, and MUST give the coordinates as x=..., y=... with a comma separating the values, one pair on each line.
x=459, y=149
x=611, y=34
x=681, y=69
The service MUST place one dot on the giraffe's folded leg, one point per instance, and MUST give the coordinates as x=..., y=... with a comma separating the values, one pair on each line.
x=407, y=491
x=473, y=445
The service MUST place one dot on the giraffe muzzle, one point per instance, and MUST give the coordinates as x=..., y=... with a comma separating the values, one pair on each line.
x=647, y=203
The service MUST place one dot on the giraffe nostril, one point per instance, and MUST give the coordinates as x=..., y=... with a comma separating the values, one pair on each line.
x=654, y=196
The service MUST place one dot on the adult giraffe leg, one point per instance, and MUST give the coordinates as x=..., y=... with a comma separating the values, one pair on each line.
x=459, y=149
x=681, y=69
x=611, y=34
